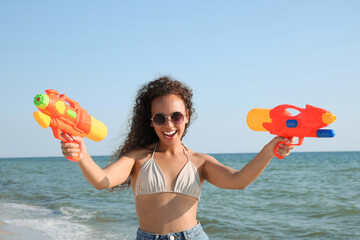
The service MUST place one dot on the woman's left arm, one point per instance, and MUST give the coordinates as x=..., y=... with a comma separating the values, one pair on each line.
x=225, y=177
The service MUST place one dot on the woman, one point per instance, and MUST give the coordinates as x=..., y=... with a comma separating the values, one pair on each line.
x=166, y=176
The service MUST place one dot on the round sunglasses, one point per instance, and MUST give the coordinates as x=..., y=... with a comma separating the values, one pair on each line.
x=176, y=118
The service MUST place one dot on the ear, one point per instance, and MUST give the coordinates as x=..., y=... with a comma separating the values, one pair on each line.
x=187, y=116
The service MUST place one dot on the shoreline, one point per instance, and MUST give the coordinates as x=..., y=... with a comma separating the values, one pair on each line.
x=10, y=231
x=4, y=233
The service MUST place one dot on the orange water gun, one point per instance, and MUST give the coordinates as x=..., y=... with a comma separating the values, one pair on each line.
x=279, y=121
x=64, y=115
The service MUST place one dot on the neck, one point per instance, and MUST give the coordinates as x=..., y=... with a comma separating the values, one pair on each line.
x=170, y=149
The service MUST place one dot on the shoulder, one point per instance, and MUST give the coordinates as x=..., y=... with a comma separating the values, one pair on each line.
x=140, y=153
x=199, y=158
x=203, y=162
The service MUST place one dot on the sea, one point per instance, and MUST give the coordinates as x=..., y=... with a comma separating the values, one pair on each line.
x=305, y=196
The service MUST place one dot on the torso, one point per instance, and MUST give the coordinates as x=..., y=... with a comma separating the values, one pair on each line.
x=162, y=213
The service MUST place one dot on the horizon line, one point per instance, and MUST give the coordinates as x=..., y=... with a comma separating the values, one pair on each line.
x=345, y=151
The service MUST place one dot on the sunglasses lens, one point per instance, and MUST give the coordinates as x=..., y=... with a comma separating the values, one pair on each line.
x=159, y=119
x=177, y=118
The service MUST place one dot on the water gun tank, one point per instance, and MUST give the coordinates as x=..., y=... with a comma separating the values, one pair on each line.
x=256, y=117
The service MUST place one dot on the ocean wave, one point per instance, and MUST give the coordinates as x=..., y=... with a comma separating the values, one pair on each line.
x=44, y=220
x=77, y=213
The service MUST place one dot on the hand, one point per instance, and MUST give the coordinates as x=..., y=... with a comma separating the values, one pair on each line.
x=283, y=150
x=71, y=148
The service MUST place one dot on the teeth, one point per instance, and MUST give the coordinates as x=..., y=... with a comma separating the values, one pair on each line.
x=170, y=133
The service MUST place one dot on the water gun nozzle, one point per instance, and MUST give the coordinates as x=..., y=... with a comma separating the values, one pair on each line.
x=328, y=118
x=41, y=101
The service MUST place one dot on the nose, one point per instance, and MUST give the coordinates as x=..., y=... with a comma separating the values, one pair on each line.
x=168, y=121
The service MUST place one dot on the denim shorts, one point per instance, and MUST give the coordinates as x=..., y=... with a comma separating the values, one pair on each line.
x=194, y=233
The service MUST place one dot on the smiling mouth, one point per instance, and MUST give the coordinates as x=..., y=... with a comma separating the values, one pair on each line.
x=170, y=134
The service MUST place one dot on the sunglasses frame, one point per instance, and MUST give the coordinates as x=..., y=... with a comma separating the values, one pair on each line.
x=168, y=118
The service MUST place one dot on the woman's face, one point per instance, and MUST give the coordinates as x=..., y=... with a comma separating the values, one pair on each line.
x=169, y=133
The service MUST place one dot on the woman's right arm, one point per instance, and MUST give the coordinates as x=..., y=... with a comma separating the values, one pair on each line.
x=109, y=177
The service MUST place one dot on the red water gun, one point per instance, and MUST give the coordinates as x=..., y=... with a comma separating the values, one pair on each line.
x=279, y=121
x=65, y=115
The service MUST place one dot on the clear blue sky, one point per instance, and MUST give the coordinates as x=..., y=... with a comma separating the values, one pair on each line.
x=235, y=55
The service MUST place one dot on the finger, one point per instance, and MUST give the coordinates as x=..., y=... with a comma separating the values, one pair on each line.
x=78, y=139
x=282, y=153
x=279, y=139
x=290, y=140
x=67, y=137
x=70, y=152
x=286, y=147
x=70, y=155
x=70, y=149
x=274, y=142
x=69, y=145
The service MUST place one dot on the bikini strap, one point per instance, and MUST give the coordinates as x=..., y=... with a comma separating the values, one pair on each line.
x=185, y=151
x=152, y=155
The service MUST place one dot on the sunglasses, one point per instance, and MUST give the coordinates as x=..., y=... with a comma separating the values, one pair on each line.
x=176, y=118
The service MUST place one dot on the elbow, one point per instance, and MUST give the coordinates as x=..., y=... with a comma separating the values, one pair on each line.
x=236, y=187
x=242, y=186
x=103, y=184
x=99, y=187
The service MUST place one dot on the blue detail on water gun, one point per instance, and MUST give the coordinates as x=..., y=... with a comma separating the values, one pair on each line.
x=325, y=133
x=292, y=123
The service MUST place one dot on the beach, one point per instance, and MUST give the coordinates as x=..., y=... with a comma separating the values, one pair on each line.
x=306, y=196
x=8, y=232
x=4, y=233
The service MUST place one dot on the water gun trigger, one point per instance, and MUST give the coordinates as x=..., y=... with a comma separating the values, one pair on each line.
x=300, y=141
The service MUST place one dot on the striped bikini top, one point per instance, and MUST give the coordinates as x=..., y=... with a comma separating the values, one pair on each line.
x=151, y=180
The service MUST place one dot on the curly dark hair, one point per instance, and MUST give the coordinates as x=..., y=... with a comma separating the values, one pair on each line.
x=140, y=133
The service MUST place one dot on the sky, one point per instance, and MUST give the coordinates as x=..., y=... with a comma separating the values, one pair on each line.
x=235, y=55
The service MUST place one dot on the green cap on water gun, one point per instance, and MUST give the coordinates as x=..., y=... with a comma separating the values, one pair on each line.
x=41, y=101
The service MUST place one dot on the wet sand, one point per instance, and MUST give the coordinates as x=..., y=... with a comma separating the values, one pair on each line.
x=4, y=233
x=8, y=232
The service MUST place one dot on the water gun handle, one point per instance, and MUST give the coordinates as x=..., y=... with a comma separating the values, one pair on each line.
x=301, y=139
x=77, y=158
x=73, y=159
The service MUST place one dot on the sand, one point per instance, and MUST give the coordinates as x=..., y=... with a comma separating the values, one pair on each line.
x=8, y=232
x=4, y=233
